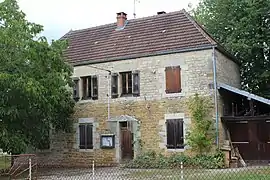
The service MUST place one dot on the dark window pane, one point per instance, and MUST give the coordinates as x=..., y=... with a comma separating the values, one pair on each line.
x=124, y=83
x=89, y=87
x=129, y=79
x=95, y=87
x=84, y=87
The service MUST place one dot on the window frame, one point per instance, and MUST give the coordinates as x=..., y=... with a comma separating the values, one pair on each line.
x=88, y=91
x=175, y=146
x=86, y=138
x=170, y=84
x=133, y=86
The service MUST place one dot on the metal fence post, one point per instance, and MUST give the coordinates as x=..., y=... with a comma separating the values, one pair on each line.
x=93, y=168
x=30, y=169
x=182, y=173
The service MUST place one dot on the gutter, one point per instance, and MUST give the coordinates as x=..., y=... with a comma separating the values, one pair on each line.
x=215, y=89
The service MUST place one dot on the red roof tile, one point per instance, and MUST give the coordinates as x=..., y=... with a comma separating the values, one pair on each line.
x=140, y=37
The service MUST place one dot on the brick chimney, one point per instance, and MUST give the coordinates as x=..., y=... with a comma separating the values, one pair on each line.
x=121, y=20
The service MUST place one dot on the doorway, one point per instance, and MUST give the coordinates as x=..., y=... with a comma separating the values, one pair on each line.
x=126, y=139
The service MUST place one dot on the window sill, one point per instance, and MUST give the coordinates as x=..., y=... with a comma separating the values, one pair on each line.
x=176, y=150
x=86, y=150
x=181, y=94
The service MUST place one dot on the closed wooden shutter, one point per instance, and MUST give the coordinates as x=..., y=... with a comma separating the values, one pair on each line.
x=89, y=136
x=179, y=133
x=95, y=87
x=175, y=133
x=114, y=85
x=82, y=136
x=170, y=134
x=76, y=94
x=136, y=83
x=173, y=79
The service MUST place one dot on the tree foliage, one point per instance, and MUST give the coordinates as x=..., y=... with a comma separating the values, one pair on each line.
x=34, y=81
x=200, y=136
x=243, y=28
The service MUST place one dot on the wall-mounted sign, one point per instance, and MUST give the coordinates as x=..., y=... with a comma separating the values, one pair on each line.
x=107, y=141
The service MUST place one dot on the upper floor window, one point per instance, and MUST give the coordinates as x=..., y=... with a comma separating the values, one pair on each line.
x=128, y=85
x=175, y=133
x=173, y=79
x=89, y=87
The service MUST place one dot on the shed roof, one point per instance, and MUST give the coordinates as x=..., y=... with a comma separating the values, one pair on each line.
x=244, y=93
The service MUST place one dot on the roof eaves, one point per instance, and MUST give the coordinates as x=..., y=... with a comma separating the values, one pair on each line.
x=182, y=50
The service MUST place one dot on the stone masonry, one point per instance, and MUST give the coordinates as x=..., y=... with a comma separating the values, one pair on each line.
x=151, y=108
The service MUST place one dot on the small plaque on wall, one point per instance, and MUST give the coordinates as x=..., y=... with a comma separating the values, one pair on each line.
x=107, y=141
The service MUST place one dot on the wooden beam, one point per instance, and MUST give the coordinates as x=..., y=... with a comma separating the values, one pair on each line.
x=244, y=118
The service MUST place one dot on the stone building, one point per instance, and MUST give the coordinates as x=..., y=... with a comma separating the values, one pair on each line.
x=132, y=78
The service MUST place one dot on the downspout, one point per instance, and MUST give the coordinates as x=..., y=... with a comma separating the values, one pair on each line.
x=109, y=94
x=216, y=101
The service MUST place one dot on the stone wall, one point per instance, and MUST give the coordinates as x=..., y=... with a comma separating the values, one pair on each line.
x=151, y=108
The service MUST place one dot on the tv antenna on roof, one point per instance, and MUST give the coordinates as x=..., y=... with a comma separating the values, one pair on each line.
x=134, y=6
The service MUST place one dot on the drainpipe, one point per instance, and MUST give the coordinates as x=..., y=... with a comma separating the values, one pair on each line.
x=109, y=93
x=216, y=101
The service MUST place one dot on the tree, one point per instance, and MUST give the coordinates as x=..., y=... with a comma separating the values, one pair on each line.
x=243, y=28
x=34, y=83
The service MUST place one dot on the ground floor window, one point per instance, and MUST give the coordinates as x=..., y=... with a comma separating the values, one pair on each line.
x=175, y=133
x=86, y=136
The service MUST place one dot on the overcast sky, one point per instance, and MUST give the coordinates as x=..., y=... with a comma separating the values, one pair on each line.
x=59, y=16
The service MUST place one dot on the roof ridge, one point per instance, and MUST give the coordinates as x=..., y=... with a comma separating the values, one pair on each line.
x=200, y=28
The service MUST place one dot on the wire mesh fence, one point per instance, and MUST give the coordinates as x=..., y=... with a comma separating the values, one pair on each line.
x=22, y=166
x=25, y=167
x=111, y=173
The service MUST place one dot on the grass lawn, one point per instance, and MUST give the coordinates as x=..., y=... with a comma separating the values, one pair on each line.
x=199, y=174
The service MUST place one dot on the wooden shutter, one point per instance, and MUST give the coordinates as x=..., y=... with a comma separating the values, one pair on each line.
x=89, y=136
x=89, y=87
x=177, y=82
x=95, y=87
x=170, y=134
x=136, y=83
x=173, y=79
x=114, y=85
x=179, y=133
x=82, y=136
x=84, y=87
x=76, y=94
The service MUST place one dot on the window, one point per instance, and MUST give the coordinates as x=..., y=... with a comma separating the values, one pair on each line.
x=76, y=95
x=173, y=79
x=175, y=133
x=126, y=78
x=86, y=136
x=89, y=87
x=130, y=84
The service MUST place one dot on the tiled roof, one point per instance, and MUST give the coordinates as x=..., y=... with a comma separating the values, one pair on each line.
x=141, y=37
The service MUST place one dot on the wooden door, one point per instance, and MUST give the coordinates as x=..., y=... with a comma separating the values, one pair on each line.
x=126, y=143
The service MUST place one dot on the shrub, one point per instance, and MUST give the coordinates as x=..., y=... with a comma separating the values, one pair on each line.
x=152, y=160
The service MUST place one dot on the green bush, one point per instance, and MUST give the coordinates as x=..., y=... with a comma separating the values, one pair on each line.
x=152, y=160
